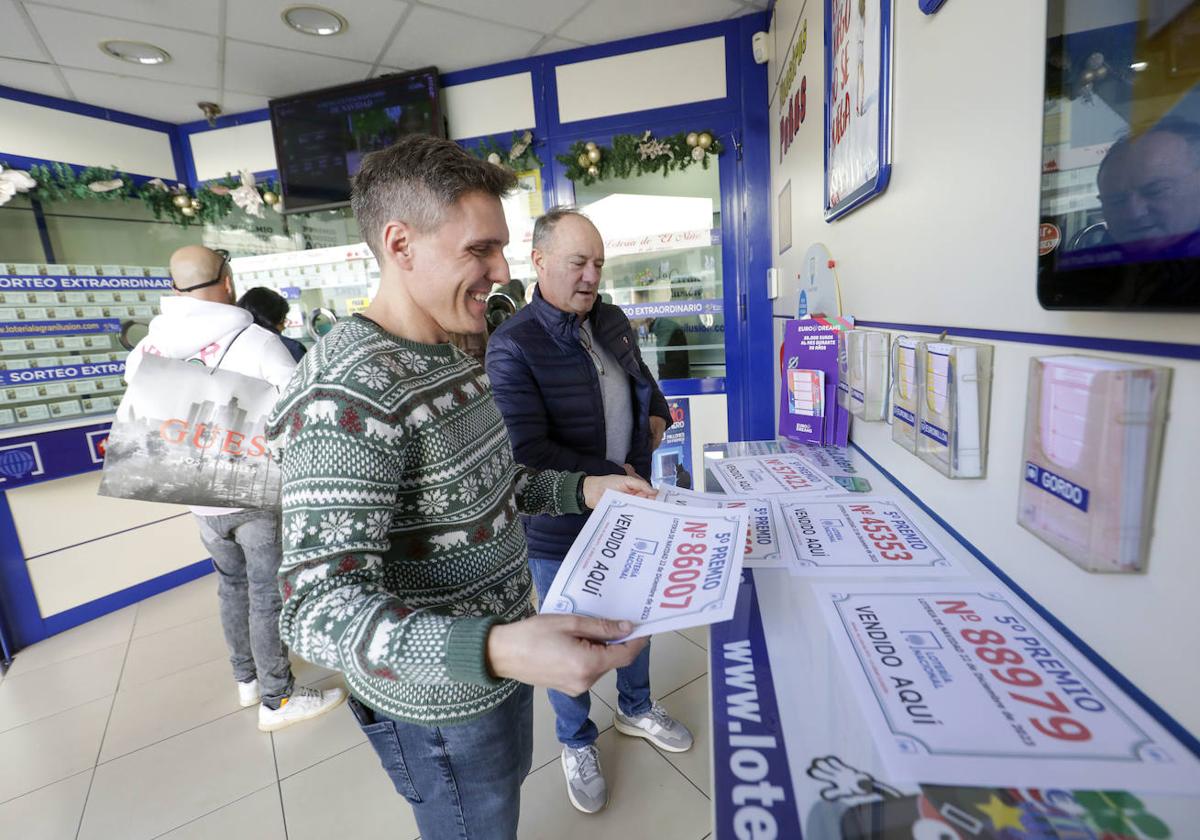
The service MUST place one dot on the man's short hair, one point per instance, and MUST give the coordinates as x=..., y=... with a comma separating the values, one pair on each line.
x=544, y=227
x=1185, y=129
x=415, y=180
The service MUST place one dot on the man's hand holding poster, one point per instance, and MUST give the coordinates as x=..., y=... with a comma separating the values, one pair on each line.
x=661, y=566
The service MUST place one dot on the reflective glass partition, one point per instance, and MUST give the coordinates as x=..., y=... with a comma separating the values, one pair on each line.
x=662, y=243
x=1120, y=198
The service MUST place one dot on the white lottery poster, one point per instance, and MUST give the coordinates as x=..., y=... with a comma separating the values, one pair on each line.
x=833, y=461
x=770, y=474
x=856, y=100
x=861, y=536
x=661, y=566
x=767, y=545
x=965, y=685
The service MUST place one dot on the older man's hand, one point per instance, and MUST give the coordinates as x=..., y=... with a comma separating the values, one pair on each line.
x=595, y=485
x=658, y=428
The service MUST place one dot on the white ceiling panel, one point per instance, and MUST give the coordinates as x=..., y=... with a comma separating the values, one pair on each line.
x=531, y=14
x=196, y=15
x=453, y=42
x=271, y=72
x=16, y=41
x=609, y=20
x=31, y=76
x=238, y=103
x=73, y=38
x=370, y=24
x=557, y=45
x=167, y=101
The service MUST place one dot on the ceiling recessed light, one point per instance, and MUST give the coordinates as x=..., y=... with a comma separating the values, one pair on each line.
x=135, y=52
x=314, y=20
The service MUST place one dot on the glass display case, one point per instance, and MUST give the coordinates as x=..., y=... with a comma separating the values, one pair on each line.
x=62, y=356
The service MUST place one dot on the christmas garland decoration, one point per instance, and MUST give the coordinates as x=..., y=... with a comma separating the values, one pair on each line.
x=519, y=156
x=630, y=154
x=211, y=203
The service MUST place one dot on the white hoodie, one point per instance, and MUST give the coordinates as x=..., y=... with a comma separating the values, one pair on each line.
x=198, y=329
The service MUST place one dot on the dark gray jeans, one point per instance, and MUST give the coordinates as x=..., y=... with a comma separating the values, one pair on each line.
x=246, y=551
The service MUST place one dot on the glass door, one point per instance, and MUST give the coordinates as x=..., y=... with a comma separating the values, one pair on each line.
x=665, y=241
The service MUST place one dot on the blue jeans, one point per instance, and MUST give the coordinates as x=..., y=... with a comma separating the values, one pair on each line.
x=246, y=549
x=572, y=725
x=463, y=781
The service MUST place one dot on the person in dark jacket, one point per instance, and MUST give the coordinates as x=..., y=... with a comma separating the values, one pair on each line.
x=575, y=395
x=270, y=311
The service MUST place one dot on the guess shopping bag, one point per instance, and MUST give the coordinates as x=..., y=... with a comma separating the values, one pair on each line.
x=194, y=435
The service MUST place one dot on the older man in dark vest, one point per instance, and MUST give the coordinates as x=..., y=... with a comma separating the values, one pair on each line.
x=576, y=395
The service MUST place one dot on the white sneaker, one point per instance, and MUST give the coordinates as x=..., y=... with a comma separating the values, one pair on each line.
x=248, y=693
x=304, y=704
x=585, y=780
x=657, y=727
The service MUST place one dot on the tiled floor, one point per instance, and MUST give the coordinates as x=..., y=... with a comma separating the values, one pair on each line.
x=129, y=727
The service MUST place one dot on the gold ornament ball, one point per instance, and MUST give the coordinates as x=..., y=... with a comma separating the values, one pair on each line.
x=704, y=140
x=590, y=146
x=181, y=200
x=693, y=138
x=594, y=171
x=195, y=203
x=593, y=155
x=187, y=211
x=582, y=160
x=270, y=198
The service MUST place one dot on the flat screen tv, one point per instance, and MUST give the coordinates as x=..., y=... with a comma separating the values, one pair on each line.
x=321, y=136
x=1120, y=197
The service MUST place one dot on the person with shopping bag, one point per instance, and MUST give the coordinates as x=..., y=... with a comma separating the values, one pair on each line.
x=200, y=324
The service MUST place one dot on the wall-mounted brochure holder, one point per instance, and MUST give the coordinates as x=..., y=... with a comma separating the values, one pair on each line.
x=906, y=391
x=868, y=373
x=952, y=423
x=1093, y=437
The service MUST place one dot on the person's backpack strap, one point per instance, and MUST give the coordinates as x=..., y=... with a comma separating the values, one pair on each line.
x=229, y=346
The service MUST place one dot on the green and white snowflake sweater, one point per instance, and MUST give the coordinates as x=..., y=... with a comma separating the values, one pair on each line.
x=402, y=545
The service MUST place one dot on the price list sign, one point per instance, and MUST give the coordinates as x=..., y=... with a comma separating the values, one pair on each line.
x=967, y=686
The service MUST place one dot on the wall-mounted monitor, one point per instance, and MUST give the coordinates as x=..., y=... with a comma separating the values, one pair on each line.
x=321, y=136
x=1120, y=190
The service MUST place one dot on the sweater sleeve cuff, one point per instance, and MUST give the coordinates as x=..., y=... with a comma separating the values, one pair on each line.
x=568, y=493
x=466, y=651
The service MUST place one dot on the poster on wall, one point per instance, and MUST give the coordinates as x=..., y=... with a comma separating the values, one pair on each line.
x=966, y=685
x=785, y=217
x=671, y=464
x=858, y=58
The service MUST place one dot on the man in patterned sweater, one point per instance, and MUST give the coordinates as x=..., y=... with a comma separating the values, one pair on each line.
x=404, y=562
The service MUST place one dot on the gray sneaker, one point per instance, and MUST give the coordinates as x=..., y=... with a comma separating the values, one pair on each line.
x=657, y=727
x=585, y=781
